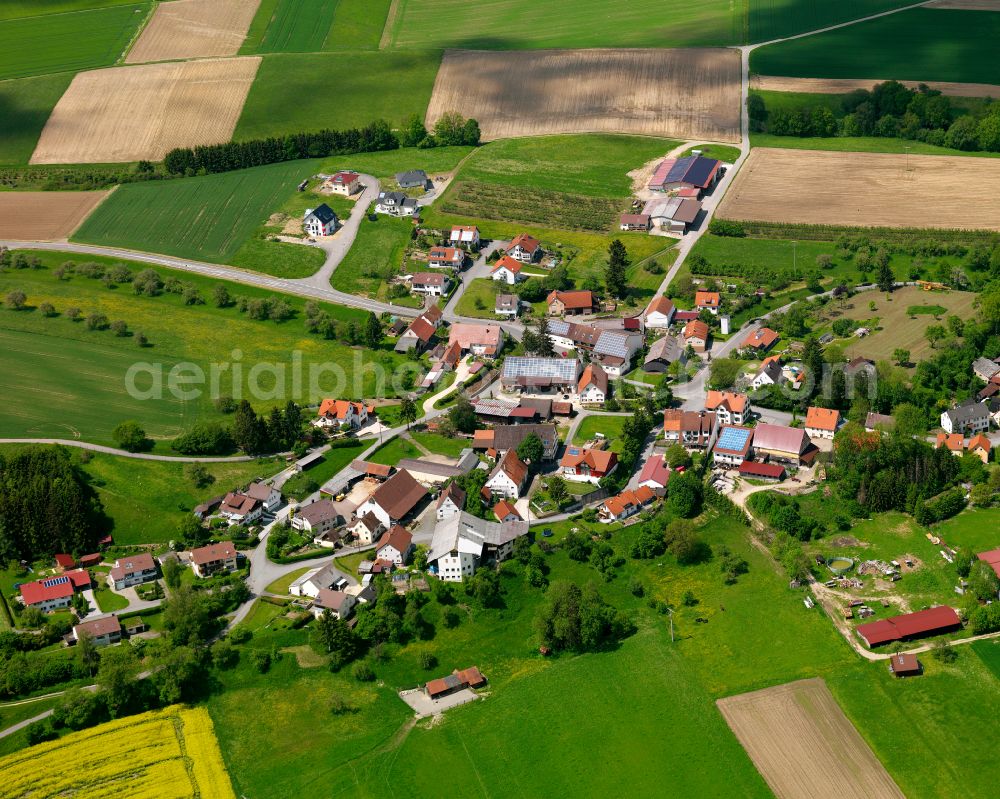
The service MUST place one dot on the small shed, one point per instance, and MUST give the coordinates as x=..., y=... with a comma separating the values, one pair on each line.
x=903, y=665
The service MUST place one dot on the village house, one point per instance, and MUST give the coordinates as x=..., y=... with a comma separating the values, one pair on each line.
x=612, y=349
x=53, y=593
x=729, y=406
x=214, y=558
x=395, y=545
x=535, y=375
x=692, y=429
x=508, y=270
x=450, y=502
x=655, y=474
x=570, y=302
x=412, y=179
x=457, y=681
x=267, y=495
x=707, y=300
x=315, y=518
x=586, y=465
x=316, y=580
x=446, y=258
x=486, y=340
x=395, y=203
x=822, y=422
x=696, y=335
x=345, y=183
x=761, y=340
x=733, y=446
x=673, y=214
x=627, y=503
x=783, y=444
x=634, y=222
x=339, y=603
x=689, y=172
x=505, y=511
x=417, y=336
x=769, y=375
x=508, y=477
x=239, y=508
x=431, y=284
x=463, y=542
x=903, y=664
x=593, y=386
x=662, y=352
x=342, y=414
x=660, y=312
x=508, y=305
x=133, y=570
x=321, y=221
x=394, y=499
x=465, y=236
x=509, y=437
x=524, y=248
x=980, y=446
x=969, y=417
x=366, y=527
x=985, y=369
x=104, y=631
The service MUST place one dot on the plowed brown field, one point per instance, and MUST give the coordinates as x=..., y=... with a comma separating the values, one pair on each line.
x=45, y=215
x=804, y=746
x=866, y=189
x=194, y=29
x=131, y=113
x=690, y=94
x=845, y=85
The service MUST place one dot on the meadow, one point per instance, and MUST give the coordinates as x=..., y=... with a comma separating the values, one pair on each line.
x=919, y=44
x=207, y=218
x=85, y=394
x=610, y=426
x=375, y=256
x=384, y=165
x=68, y=42
x=25, y=106
x=12, y=9
x=333, y=461
x=773, y=19
x=295, y=92
x=306, y=26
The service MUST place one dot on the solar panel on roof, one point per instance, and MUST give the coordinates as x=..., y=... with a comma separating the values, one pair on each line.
x=551, y=368
x=612, y=344
x=699, y=171
x=679, y=170
x=733, y=438
x=61, y=580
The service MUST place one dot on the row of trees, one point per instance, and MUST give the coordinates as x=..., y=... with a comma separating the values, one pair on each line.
x=452, y=129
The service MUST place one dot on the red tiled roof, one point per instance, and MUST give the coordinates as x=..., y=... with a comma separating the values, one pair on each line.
x=508, y=263
x=953, y=441
x=526, y=242
x=822, y=418
x=696, y=329
x=132, y=565
x=213, y=552
x=503, y=509
x=422, y=329
x=96, y=628
x=753, y=469
x=707, y=299
x=992, y=558
x=65, y=561
x=397, y=537
x=572, y=300
x=761, y=338
x=736, y=403
x=908, y=625
x=661, y=304
x=656, y=470
x=593, y=374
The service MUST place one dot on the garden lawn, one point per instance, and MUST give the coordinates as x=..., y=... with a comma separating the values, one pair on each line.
x=280, y=586
x=333, y=461
x=68, y=42
x=65, y=381
x=394, y=451
x=309, y=92
x=441, y=445
x=279, y=258
x=919, y=44
x=723, y=152
x=107, y=600
x=206, y=218
x=25, y=106
x=481, y=291
x=611, y=426
x=374, y=258
x=977, y=529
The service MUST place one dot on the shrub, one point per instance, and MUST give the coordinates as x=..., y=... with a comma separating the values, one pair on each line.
x=363, y=672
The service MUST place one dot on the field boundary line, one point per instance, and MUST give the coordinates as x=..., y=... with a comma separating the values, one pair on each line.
x=138, y=32
x=385, y=41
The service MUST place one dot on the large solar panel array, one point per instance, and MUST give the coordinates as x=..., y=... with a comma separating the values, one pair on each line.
x=733, y=438
x=61, y=580
x=611, y=343
x=554, y=368
x=558, y=327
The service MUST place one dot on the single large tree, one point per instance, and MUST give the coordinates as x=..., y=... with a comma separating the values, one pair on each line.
x=886, y=279
x=463, y=415
x=408, y=411
x=373, y=332
x=249, y=431
x=614, y=275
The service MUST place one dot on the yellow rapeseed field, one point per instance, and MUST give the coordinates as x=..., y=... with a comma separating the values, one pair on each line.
x=163, y=754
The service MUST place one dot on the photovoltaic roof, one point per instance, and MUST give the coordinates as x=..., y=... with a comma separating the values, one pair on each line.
x=611, y=343
x=700, y=169
x=556, y=368
x=733, y=438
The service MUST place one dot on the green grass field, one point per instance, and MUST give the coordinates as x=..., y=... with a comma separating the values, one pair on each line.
x=386, y=164
x=309, y=26
x=611, y=426
x=773, y=19
x=978, y=529
x=207, y=218
x=12, y=9
x=25, y=106
x=441, y=445
x=724, y=152
x=107, y=600
x=376, y=255
x=70, y=380
x=392, y=452
x=68, y=42
x=919, y=44
x=308, y=92
x=332, y=462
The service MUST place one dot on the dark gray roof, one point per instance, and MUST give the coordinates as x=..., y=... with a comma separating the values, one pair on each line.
x=967, y=411
x=666, y=349
x=413, y=177
x=324, y=213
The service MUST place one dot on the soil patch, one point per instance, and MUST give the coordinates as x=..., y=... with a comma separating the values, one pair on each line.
x=844, y=85
x=45, y=215
x=194, y=29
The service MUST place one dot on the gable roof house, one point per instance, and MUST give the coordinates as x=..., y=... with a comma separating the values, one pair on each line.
x=238, y=508
x=104, y=631
x=339, y=603
x=660, y=312
x=985, y=369
x=365, y=528
x=655, y=473
x=315, y=580
x=769, y=375
x=694, y=429
x=696, y=335
x=133, y=570
x=509, y=436
x=822, y=422
x=528, y=374
x=953, y=442
x=507, y=305
x=316, y=518
x=593, y=385
x=478, y=339
x=268, y=496
x=446, y=258
x=450, y=501
x=761, y=340
x=412, y=179
x=626, y=504
x=692, y=171
x=465, y=235
x=980, y=446
x=730, y=406
x=524, y=248
x=662, y=352
x=463, y=542
x=570, y=302
x=395, y=545
x=783, y=444
x=394, y=499
x=430, y=284
x=508, y=477
x=395, y=203
x=733, y=445
x=417, y=336
x=708, y=300
x=345, y=183
x=968, y=417
x=633, y=222
x=52, y=593
x=586, y=465
x=342, y=413
x=320, y=221
x=209, y=560
x=508, y=270
x=504, y=511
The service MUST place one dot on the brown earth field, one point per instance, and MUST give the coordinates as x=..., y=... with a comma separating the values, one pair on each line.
x=45, y=215
x=844, y=85
x=804, y=746
x=194, y=29
x=687, y=94
x=865, y=189
x=143, y=112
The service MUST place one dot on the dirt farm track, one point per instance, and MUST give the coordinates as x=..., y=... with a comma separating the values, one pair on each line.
x=688, y=94
x=865, y=189
x=45, y=215
x=136, y=112
x=804, y=746
x=194, y=29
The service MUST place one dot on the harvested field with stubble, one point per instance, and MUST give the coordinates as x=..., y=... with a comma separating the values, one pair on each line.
x=194, y=29
x=775, y=83
x=691, y=94
x=804, y=746
x=865, y=189
x=45, y=215
x=142, y=112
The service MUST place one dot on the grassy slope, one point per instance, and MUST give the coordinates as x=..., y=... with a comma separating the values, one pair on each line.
x=207, y=218
x=307, y=92
x=357, y=25
x=920, y=44
x=25, y=106
x=611, y=426
x=376, y=254
x=86, y=391
x=773, y=19
x=290, y=26
x=67, y=42
x=12, y=9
